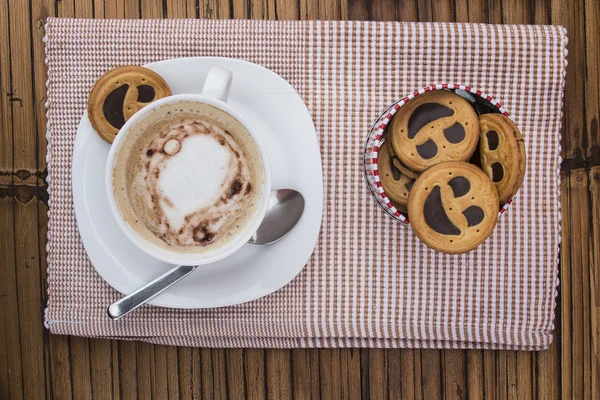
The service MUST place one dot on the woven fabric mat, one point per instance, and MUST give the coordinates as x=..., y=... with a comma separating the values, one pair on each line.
x=370, y=282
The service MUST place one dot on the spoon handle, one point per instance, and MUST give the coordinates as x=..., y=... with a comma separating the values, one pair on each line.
x=141, y=296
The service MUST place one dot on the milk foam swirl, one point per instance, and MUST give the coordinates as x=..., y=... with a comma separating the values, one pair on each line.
x=193, y=179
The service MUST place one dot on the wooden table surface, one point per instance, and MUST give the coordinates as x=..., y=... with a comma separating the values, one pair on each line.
x=36, y=365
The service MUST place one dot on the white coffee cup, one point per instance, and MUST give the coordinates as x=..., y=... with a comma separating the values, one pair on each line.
x=215, y=93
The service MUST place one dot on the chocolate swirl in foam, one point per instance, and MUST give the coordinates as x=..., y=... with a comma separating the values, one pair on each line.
x=191, y=180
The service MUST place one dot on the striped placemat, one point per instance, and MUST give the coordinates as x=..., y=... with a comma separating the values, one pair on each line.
x=370, y=282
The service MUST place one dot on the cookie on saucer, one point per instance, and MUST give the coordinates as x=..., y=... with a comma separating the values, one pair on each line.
x=502, y=154
x=119, y=94
x=395, y=184
x=434, y=127
x=453, y=207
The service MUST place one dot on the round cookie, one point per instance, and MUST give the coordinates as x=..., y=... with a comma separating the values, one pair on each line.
x=119, y=94
x=434, y=127
x=502, y=154
x=395, y=184
x=403, y=168
x=453, y=207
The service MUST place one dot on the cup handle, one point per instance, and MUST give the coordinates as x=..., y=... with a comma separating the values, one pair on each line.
x=218, y=83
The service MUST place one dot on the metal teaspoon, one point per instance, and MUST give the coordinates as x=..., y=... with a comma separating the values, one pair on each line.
x=284, y=211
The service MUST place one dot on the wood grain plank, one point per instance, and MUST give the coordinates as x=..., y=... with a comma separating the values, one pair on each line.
x=305, y=374
x=580, y=229
x=113, y=9
x=443, y=11
x=151, y=9
x=40, y=10
x=278, y=374
x=207, y=389
x=517, y=12
x=218, y=372
x=350, y=374
x=357, y=10
x=236, y=384
x=395, y=375
x=180, y=8
x=20, y=95
x=330, y=372
x=309, y=9
x=477, y=11
x=196, y=374
x=101, y=365
x=500, y=375
x=128, y=388
x=65, y=8
x=494, y=12
x=212, y=9
x=42, y=234
x=60, y=361
x=525, y=381
x=6, y=140
x=29, y=283
x=378, y=377
x=511, y=374
x=570, y=15
x=172, y=372
x=161, y=375
x=595, y=280
x=286, y=10
x=424, y=10
x=383, y=10
x=431, y=378
x=240, y=9
x=120, y=9
x=592, y=115
x=11, y=378
x=407, y=11
x=401, y=373
x=461, y=11
x=565, y=290
x=418, y=374
x=116, y=376
x=334, y=10
x=185, y=372
x=144, y=370
x=489, y=374
x=475, y=374
x=83, y=8
x=455, y=374
x=254, y=373
x=546, y=382
x=81, y=376
x=264, y=9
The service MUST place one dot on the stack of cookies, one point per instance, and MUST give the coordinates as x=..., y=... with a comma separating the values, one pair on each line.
x=450, y=168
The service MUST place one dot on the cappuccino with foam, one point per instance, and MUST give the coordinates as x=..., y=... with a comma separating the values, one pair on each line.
x=188, y=177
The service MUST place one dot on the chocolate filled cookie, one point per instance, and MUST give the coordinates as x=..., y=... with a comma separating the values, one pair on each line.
x=453, y=207
x=119, y=94
x=398, y=164
x=502, y=154
x=395, y=184
x=434, y=127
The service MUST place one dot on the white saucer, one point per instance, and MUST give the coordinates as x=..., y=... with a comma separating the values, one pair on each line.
x=280, y=116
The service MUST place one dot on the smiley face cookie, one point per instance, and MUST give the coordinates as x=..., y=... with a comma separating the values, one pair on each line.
x=395, y=184
x=119, y=94
x=398, y=164
x=502, y=154
x=434, y=127
x=453, y=207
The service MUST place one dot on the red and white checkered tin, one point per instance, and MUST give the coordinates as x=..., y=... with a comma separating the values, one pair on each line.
x=377, y=134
